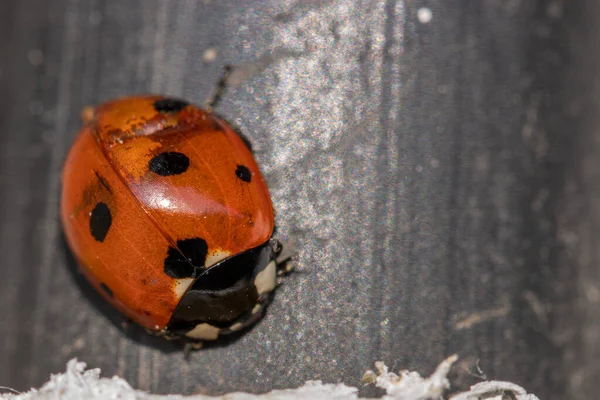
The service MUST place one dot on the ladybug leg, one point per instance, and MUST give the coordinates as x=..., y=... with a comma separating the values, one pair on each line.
x=187, y=350
x=126, y=323
x=284, y=252
x=215, y=98
x=188, y=347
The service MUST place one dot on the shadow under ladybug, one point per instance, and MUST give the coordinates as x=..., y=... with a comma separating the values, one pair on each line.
x=148, y=338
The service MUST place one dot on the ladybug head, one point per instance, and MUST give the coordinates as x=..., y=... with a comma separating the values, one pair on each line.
x=226, y=297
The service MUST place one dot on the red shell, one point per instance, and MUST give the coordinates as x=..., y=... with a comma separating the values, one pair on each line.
x=121, y=218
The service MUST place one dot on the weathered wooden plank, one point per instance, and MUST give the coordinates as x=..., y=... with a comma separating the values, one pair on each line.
x=428, y=169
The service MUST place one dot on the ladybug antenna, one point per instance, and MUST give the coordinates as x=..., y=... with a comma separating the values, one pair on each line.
x=214, y=100
x=236, y=75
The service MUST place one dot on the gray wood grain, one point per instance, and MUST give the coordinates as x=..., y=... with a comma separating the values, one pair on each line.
x=440, y=178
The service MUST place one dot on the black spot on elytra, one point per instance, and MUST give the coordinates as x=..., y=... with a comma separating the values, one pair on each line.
x=170, y=105
x=243, y=173
x=100, y=221
x=187, y=260
x=169, y=163
x=106, y=290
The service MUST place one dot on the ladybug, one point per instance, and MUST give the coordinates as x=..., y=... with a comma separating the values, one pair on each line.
x=169, y=217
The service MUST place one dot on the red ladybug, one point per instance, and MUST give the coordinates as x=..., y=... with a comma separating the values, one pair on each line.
x=169, y=217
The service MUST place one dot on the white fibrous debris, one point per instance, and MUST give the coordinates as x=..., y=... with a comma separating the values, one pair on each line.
x=410, y=385
x=494, y=390
x=77, y=383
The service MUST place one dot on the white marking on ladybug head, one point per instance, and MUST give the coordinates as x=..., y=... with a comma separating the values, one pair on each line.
x=214, y=256
x=266, y=280
x=204, y=331
x=181, y=286
x=237, y=326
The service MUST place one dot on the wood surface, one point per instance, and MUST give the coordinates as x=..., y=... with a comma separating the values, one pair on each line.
x=440, y=179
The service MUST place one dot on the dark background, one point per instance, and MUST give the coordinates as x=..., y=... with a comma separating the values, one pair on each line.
x=441, y=179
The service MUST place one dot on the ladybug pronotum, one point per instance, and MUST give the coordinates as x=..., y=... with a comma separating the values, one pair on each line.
x=169, y=217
